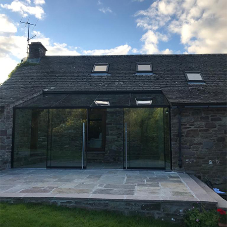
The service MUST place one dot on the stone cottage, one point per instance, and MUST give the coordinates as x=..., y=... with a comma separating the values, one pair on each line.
x=128, y=112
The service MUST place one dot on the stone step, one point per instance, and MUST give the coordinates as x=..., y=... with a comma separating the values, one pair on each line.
x=221, y=203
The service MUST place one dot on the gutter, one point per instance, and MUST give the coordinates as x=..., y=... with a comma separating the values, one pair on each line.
x=202, y=105
x=52, y=91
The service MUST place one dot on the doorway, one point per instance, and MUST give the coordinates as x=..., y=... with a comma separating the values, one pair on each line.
x=145, y=139
x=104, y=141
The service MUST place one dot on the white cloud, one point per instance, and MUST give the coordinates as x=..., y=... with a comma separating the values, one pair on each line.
x=135, y=51
x=120, y=50
x=99, y=2
x=150, y=43
x=24, y=9
x=6, y=65
x=6, y=26
x=13, y=46
x=151, y=40
x=201, y=24
x=154, y=17
x=167, y=51
x=166, y=7
x=60, y=49
x=105, y=10
x=55, y=48
x=39, y=2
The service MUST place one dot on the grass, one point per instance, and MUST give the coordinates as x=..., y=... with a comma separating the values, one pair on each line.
x=27, y=215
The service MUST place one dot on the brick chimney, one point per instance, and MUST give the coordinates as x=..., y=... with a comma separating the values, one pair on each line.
x=36, y=50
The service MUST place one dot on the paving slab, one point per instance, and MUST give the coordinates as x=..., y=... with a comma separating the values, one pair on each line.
x=144, y=185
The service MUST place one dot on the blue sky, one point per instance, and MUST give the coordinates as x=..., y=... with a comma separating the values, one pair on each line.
x=96, y=27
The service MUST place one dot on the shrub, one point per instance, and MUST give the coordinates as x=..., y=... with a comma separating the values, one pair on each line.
x=201, y=218
x=222, y=216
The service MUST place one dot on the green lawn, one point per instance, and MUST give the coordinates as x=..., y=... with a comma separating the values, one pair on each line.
x=27, y=215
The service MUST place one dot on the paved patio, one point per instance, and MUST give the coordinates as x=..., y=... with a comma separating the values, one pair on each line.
x=101, y=184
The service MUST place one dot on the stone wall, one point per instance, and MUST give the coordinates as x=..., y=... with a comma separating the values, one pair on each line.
x=204, y=143
x=114, y=135
x=6, y=125
x=172, y=211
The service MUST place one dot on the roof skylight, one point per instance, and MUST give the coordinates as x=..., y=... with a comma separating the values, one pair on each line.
x=100, y=68
x=102, y=103
x=143, y=102
x=192, y=76
x=144, y=67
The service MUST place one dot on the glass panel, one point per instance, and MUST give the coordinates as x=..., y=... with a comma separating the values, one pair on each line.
x=194, y=76
x=100, y=68
x=60, y=100
x=30, y=141
x=166, y=119
x=143, y=67
x=77, y=100
x=66, y=137
x=145, y=138
x=43, y=101
x=96, y=141
x=95, y=135
x=96, y=128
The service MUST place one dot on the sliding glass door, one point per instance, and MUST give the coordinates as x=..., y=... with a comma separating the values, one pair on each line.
x=144, y=138
x=30, y=138
x=66, y=137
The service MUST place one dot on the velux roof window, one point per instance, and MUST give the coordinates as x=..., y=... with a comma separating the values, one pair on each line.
x=144, y=67
x=102, y=103
x=194, y=77
x=100, y=68
x=143, y=102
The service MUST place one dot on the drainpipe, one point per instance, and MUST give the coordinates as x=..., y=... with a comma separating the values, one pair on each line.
x=179, y=135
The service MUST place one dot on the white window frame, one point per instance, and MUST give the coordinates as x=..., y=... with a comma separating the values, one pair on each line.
x=194, y=80
x=100, y=64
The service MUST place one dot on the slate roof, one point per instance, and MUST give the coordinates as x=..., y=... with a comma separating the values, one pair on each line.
x=73, y=73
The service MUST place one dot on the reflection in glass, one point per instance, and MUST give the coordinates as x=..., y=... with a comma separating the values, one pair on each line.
x=30, y=141
x=145, y=137
x=96, y=129
x=66, y=137
x=166, y=119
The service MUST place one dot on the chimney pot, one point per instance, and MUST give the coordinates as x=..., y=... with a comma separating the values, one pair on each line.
x=36, y=50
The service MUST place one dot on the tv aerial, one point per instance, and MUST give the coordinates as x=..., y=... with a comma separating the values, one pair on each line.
x=28, y=39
